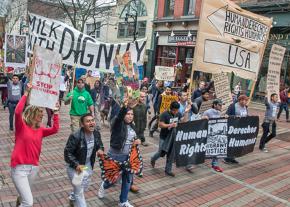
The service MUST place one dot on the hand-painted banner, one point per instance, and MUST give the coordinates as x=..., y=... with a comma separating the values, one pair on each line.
x=15, y=51
x=166, y=101
x=164, y=73
x=190, y=142
x=45, y=78
x=274, y=69
x=230, y=39
x=78, y=48
x=233, y=137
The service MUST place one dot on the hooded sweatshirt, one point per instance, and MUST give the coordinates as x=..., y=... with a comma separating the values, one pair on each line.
x=80, y=102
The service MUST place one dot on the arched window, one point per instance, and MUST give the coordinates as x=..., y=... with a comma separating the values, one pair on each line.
x=134, y=6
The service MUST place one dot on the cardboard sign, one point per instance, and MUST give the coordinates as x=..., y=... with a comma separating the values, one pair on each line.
x=78, y=48
x=205, y=105
x=222, y=90
x=164, y=73
x=166, y=101
x=274, y=69
x=230, y=39
x=45, y=77
x=15, y=51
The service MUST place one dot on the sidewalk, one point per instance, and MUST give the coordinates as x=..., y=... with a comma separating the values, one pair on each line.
x=261, y=179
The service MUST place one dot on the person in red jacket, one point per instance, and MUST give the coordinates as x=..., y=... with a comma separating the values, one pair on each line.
x=28, y=139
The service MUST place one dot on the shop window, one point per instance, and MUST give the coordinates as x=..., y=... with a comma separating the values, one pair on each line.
x=167, y=56
x=126, y=30
x=189, y=7
x=169, y=8
x=94, y=30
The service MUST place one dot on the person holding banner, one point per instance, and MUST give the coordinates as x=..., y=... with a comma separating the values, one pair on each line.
x=28, y=139
x=14, y=88
x=239, y=109
x=80, y=155
x=81, y=101
x=284, y=103
x=168, y=122
x=214, y=112
x=269, y=124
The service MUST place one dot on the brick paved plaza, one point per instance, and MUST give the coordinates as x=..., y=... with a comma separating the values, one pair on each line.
x=261, y=179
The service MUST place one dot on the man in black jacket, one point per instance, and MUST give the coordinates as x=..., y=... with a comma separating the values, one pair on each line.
x=80, y=155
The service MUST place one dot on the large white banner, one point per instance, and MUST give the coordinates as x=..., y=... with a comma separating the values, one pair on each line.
x=80, y=49
x=230, y=39
x=47, y=66
x=274, y=69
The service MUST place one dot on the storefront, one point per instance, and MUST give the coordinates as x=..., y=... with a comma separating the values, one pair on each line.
x=175, y=48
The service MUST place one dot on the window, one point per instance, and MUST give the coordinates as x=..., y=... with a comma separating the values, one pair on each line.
x=94, y=30
x=189, y=7
x=134, y=6
x=127, y=29
x=169, y=8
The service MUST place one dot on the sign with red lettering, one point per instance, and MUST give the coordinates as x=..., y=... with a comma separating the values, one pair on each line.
x=45, y=78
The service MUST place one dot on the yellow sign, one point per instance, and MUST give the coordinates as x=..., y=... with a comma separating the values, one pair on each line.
x=166, y=101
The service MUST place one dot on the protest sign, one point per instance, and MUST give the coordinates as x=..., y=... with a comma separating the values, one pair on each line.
x=190, y=143
x=18, y=71
x=274, y=69
x=205, y=105
x=242, y=135
x=78, y=48
x=15, y=51
x=217, y=140
x=164, y=73
x=45, y=78
x=222, y=90
x=166, y=101
x=230, y=39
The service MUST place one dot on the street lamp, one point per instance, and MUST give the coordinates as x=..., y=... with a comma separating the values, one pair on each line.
x=135, y=18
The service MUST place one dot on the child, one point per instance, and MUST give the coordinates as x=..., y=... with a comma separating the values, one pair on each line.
x=269, y=124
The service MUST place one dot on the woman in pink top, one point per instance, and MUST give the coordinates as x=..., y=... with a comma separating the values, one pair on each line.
x=28, y=139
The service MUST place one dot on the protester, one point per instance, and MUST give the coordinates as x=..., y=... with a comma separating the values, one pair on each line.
x=147, y=101
x=96, y=94
x=214, y=112
x=62, y=86
x=153, y=126
x=239, y=109
x=123, y=136
x=198, y=92
x=204, y=97
x=284, y=103
x=14, y=88
x=80, y=155
x=168, y=122
x=237, y=91
x=269, y=123
x=90, y=80
x=140, y=118
x=81, y=101
x=87, y=86
x=3, y=88
x=145, y=83
x=28, y=139
x=158, y=91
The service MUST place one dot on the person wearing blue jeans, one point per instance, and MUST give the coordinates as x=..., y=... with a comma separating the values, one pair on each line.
x=123, y=136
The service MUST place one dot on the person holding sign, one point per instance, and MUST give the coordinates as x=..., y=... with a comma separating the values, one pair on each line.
x=239, y=109
x=80, y=155
x=81, y=101
x=269, y=124
x=28, y=140
x=214, y=112
x=168, y=122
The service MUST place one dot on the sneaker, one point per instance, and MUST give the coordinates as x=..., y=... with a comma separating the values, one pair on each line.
x=152, y=163
x=126, y=204
x=101, y=192
x=145, y=144
x=72, y=197
x=217, y=168
x=171, y=174
x=134, y=189
x=265, y=150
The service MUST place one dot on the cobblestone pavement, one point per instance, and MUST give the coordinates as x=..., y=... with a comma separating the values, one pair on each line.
x=261, y=179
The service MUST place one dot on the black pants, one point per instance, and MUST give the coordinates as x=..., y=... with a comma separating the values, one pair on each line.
x=11, y=107
x=265, y=137
x=153, y=124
